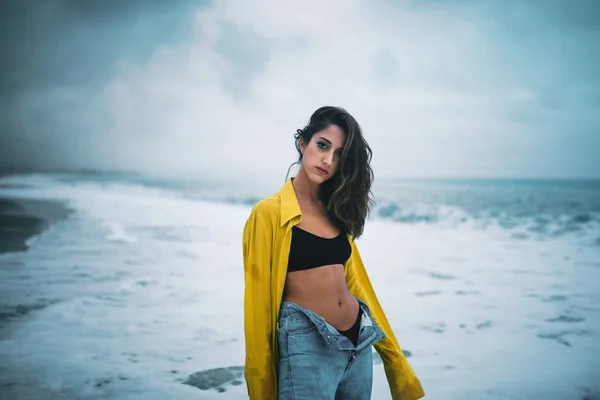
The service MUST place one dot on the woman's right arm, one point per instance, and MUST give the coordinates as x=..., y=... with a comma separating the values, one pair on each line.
x=259, y=369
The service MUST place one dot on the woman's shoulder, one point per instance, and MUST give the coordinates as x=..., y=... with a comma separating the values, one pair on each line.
x=267, y=207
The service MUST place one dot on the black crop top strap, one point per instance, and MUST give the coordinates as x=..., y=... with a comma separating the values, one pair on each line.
x=311, y=251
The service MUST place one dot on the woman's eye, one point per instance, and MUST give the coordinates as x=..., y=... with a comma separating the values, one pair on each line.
x=321, y=145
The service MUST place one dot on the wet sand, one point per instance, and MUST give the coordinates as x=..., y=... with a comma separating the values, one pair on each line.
x=21, y=219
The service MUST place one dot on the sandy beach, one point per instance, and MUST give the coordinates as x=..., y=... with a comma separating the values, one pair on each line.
x=21, y=219
x=138, y=294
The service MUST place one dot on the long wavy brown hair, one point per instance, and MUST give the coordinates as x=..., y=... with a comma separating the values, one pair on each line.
x=347, y=194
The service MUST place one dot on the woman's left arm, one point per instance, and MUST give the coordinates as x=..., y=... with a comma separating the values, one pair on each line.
x=403, y=382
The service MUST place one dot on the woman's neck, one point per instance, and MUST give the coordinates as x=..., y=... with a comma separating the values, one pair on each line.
x=306, y=190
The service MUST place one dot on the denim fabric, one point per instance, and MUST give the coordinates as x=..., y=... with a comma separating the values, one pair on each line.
x=317, y=362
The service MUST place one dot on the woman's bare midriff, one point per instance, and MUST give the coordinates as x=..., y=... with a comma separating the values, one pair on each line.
x=323, y=290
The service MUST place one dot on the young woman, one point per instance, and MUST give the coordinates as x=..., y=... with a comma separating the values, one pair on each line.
x=310, y=312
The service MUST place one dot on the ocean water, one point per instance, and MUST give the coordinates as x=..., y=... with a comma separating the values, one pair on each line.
x=491, y=287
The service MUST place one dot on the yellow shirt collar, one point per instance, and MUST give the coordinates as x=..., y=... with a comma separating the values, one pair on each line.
x=290, y=208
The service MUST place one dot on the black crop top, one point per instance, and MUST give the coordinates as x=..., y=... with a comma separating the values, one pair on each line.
x=311, y=251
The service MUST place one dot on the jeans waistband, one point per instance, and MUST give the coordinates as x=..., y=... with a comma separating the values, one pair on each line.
x=331, y=335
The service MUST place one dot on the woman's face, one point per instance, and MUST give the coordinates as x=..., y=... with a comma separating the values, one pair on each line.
x=320, y=158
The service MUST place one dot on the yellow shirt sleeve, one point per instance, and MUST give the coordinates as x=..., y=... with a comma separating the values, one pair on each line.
x=259, y=369
x=404, y=385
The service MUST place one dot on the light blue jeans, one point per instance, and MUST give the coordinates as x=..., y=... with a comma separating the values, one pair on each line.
x=316, y=362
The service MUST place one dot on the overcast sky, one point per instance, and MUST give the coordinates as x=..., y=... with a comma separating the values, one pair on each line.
x=452, y=88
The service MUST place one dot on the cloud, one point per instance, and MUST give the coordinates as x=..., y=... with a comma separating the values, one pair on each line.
x=440, y=88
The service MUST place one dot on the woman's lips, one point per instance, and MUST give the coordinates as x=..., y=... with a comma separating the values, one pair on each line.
x=321, y=171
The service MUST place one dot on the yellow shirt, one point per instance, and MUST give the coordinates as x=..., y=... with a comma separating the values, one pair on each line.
x=266, y=245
